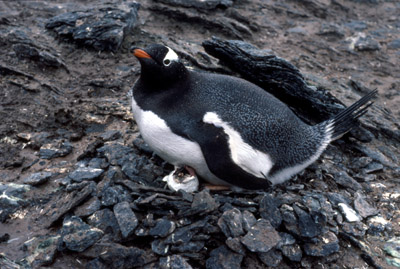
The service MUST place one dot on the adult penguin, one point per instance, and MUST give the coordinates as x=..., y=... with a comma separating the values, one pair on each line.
x=226, y=129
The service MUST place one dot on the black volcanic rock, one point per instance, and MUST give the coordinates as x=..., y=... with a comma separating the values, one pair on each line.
x=103, y=28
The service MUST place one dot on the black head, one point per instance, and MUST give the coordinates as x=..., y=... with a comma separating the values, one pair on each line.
x=160, y=65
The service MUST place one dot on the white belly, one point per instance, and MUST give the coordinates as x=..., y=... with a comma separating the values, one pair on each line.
x=169, y=146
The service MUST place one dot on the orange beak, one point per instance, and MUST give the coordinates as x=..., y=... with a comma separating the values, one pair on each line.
x=139, y=53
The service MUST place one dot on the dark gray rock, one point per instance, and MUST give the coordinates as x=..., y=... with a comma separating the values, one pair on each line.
x=269, y=210
x=286, y=239
x=88, y=207
x=111, y=135
x=162, y=228
x=11, y=198
x=363, y=207
x=77, y=235
x=26, y=51
x=202, y=204
x=100, y=163
x=183, y=235
x=356, y=25
x=198, y=4
x=103, y=27
x=42, y=250
x=271, y=258
x=248, y=220
x=235, y=245
x=127, y=220
x=109, y=196
x=292, y=252
x=85, y=173
x=63, y=202
x=160, y=247
x=106, y=221
x=223, y=258
x=367, y=44
x=327, y=245
x=262, y=237
x=308, y=227
x=373, y=167
x=331, y=31
x=357, y=229
x=174, y=261
x=191, y=247
x=114, y=255
x=276, y=76
x=55, y=149
x=230, y=223
x=343, y=179
x=37, y=178
x=394, y=44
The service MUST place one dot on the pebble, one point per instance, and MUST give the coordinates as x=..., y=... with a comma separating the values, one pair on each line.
x=55, y=149
x=367, y=44
x=292, y=252
x=126, y=218
x=307, y=226
x=261, y=237
x=38, y=178
x=88, y=207
x=230, y=223
x=394, y=44
x=373, y=167
x=106, y=221
x=111, y=135
x=235, y=245
x=174, y=261
x=85, y=173
x=42, y=249
x=363, y=207
x=269, y=210
x=248, y=220
x=77, y=235
x=349, y=213
x=110, y=197
x=162, y=228
x=271, y=258
x=343, y=179
x=327, y=245
x=222, y=257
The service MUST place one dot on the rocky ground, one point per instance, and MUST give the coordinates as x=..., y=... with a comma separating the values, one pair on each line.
x=80, y=189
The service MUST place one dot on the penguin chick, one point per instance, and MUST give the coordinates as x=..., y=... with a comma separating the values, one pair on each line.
x=230, y=131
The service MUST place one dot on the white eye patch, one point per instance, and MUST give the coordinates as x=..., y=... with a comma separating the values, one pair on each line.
x=171, y=56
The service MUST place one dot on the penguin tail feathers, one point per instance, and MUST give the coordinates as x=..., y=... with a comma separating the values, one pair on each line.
x=346, y=119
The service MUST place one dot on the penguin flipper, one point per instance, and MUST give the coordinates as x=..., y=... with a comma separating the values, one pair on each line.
x=215, y=148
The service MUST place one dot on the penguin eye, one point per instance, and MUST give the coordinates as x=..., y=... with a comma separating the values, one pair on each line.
x=167, y=62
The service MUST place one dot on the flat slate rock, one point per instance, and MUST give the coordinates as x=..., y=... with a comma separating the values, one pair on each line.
x=262, y=237
x=327, y=245
x=198, y=4
x=38, y=178
x=85, y=173
x=222, y=257
x=55, y=149
x=127, y=220
x=230, y=223
x=77, y=235
x=103, y=27
x=63, y=203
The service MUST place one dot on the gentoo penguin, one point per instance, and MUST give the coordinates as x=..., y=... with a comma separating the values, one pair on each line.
x=228, y=130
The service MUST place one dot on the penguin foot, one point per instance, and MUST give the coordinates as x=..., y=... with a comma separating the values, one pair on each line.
x=180, y=180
